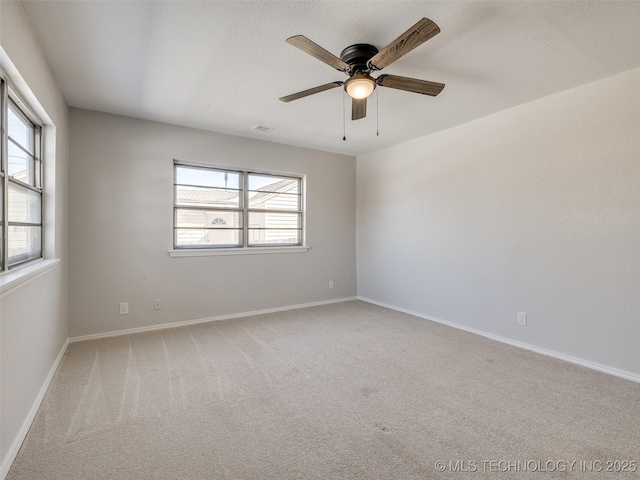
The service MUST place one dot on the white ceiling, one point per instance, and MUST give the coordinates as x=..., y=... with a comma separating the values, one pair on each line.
x=222, y=66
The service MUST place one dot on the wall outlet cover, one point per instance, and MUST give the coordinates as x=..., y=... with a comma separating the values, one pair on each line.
x=522, y=318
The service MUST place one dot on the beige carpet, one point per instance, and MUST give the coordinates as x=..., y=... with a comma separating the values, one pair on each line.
x=344, y=391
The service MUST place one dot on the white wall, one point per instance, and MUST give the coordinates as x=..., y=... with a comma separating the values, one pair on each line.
x=33, y=318
x=534, y=209
x=121, y=221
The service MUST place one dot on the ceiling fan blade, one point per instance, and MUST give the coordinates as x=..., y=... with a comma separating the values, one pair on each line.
x=315, y=50
x=412, y=38
x=311, y=91
x=410, y=84
x=358, y=108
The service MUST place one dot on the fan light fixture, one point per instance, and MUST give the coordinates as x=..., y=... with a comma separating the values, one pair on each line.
x=360, y=86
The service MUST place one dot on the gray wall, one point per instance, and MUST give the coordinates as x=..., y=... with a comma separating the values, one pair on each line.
x=534, y=209
x=121, y=216
x=33, y=318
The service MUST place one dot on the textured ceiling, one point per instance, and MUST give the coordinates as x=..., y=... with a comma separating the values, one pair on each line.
x=222, y=66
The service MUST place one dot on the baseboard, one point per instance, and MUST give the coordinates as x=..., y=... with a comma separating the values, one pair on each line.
x=634, y=377
x=184, y=323
x=26, y=425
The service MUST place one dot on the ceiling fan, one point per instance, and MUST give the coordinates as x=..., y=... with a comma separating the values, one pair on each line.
x=360, y=60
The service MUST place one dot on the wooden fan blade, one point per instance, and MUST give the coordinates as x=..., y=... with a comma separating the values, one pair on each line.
x=358, y=108
x=410, y=84
x=412, y=38
x=311, y=91
x=315, y=50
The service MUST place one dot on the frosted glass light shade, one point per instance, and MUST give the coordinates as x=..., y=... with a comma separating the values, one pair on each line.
x=360, y=86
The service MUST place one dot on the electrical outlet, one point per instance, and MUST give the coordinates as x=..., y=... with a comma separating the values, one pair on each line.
x=157, y=304
x=330, y=284
x=124, y=308
x=522, y=318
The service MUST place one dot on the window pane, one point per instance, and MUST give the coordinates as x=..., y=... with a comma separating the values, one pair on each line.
x=24, y=244
x=274, y=237
x=21, y=164
x=274, y=220
x=208, y=219
x=206, y=177
x=274, y=201
x=207, y=197
x=209, y=237
x=20, y=129
x=24, y=205
x=270, y=183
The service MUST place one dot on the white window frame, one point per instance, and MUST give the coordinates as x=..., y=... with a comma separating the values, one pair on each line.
x=246, y=248
x=9, y=96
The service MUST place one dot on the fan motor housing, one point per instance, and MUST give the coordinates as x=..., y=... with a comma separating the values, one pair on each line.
x=358, y=55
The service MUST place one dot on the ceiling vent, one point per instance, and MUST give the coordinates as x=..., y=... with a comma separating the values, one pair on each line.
x=261, y=128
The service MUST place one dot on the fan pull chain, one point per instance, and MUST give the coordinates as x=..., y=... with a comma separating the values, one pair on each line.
x=344, y=122
x=377, y=112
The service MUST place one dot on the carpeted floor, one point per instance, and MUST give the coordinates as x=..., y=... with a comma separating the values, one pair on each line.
x=343, y=391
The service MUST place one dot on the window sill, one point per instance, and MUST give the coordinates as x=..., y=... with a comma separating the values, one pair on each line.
x=15, y=279
x=208, y=252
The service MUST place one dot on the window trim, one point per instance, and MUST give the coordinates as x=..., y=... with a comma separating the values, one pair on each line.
x=212, y=252
x=12, y=280
x=244, y=210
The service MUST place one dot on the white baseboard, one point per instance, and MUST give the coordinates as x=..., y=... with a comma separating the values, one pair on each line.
x=634, y=377
x=184, y=323
x=26, y=424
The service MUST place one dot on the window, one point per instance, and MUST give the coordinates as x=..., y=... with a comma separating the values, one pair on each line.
x=20, y=183
x=220, y=208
